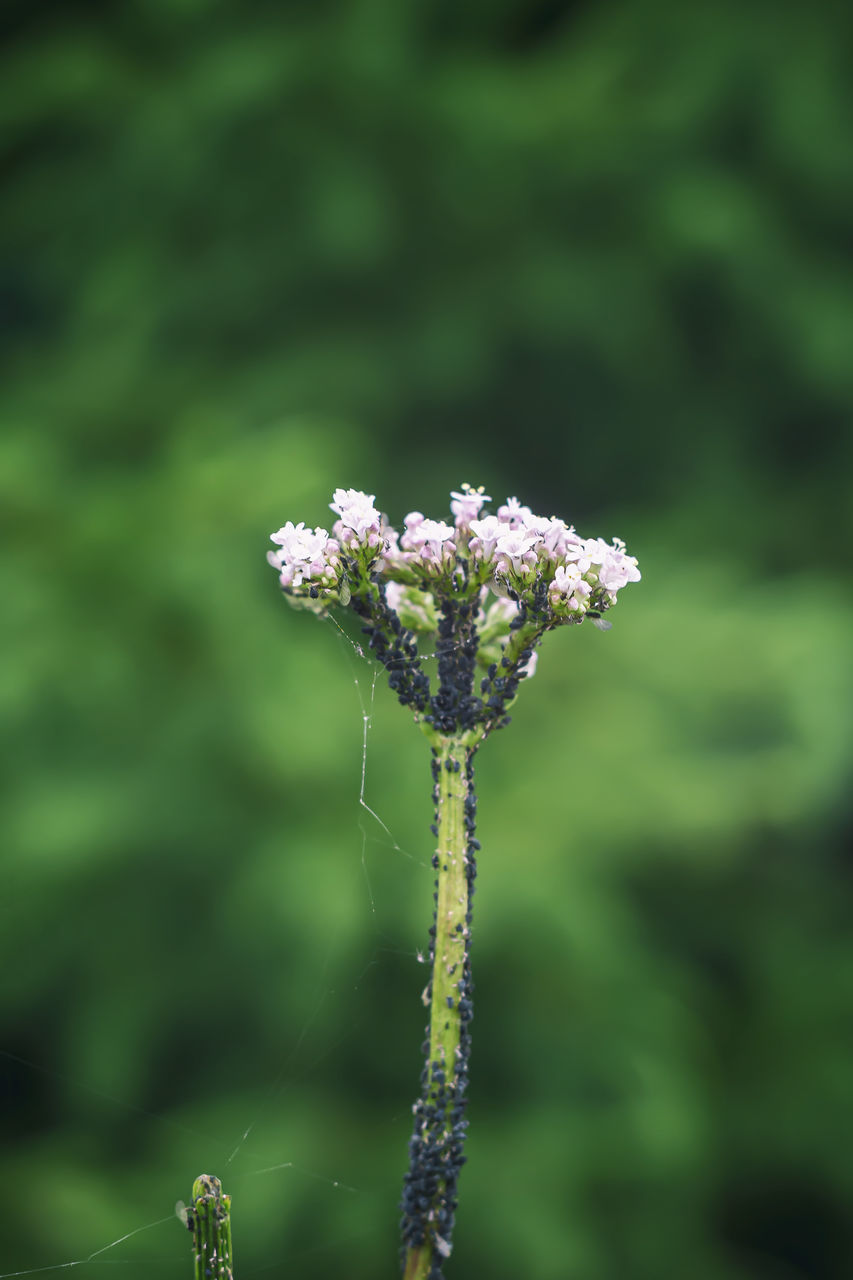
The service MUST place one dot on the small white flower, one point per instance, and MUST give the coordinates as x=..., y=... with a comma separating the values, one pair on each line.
x=538, y=525
x=555, y=538
x=569, y=588
x=436, y=535
x=486, y=533
x=512, y=512
x=596, y=550
x=567, y=577
x=578, y=552
x=299, y=543
x=433, y=539
x=514, y=549
x=357, y=512
x=467, y=504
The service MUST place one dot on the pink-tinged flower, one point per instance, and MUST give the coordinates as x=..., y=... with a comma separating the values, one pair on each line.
x=432, y=537
x=358, y=515
x=486, y=533
x=467, y=504
x=556, y=536
x=514, y=549
x=513, y=513
x=409, y=540
x=435, y=539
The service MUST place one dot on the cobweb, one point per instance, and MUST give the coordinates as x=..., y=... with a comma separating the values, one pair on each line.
x=253, y=1162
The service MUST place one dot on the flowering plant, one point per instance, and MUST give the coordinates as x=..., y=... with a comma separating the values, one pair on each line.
x=477, y=594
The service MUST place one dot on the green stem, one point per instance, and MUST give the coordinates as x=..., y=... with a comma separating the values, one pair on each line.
x=451, y=927
x=429, y=1198
x=209, y=1219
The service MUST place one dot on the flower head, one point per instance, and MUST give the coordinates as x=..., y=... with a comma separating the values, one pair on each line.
x=517, y=570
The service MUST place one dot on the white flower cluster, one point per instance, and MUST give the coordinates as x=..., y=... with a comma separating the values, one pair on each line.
x=430, y=543
x=525, y=559
x=313, y=559
x=360, y=524
x=305, y=556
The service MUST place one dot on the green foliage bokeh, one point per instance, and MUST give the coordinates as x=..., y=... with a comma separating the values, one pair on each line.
x=595, y=256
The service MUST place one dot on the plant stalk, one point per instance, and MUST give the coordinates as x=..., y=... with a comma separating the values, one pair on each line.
x=435, y=1150
x=209, y=1219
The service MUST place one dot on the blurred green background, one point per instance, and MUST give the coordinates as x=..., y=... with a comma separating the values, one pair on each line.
x=598, y=256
